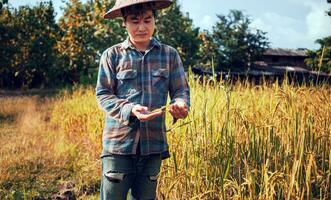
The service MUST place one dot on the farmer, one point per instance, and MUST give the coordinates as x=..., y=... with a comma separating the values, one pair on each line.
x=134, y=80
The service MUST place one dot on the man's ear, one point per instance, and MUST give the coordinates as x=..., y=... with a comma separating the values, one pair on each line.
x=123, y=23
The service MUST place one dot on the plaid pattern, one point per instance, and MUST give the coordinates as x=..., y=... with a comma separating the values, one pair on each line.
x=128, y=77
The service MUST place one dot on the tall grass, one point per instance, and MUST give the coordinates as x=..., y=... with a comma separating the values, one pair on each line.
x=239, y=142
x=250, y=142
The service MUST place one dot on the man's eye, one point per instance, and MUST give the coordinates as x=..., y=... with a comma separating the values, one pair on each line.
x=135, y=21
x=147, y=21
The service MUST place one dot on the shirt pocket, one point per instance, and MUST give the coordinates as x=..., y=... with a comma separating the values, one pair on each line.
x=126, y=83
x=160, y=79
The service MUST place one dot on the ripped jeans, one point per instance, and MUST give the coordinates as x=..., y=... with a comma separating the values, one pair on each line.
x=133, y=172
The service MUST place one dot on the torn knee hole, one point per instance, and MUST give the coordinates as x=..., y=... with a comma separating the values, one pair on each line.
x=153, y=178
x=115, y=177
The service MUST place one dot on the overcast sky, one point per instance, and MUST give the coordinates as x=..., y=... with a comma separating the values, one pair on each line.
x=288, y=23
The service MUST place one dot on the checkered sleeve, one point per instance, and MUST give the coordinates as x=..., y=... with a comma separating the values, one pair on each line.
x=116, y=108
x=179, y=88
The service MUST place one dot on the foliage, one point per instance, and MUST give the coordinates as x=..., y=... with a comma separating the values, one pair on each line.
x=47, y=53
x=67, y=52
x=28, y=36
x=320, y=60
x=38, y=51
x=237, y=44
x=207, y=53
x=84, y=35
x=176, y=29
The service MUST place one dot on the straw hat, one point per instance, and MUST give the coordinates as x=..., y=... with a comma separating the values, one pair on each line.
x=119, y=4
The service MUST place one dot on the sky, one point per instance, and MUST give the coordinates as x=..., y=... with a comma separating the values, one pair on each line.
x=288, y=23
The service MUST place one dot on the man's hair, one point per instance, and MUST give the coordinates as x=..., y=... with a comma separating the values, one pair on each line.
x=138, y=9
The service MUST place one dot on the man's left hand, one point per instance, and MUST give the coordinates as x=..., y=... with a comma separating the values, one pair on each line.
x=178, y=109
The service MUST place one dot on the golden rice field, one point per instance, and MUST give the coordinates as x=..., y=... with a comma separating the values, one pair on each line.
x=239, y=142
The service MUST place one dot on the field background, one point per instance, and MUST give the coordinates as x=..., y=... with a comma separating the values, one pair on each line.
x=239, y=142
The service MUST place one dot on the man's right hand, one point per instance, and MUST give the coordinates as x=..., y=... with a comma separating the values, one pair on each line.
x=143, y=114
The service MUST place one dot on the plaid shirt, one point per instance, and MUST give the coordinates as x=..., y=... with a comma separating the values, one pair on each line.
x=128, y=77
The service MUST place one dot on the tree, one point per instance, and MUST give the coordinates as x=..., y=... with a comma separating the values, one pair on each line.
x=207, y=50
x=177, y=30
x=7, y=48
x=28, y=36
x=238, y=45
x=84, y=35
x=320, y=60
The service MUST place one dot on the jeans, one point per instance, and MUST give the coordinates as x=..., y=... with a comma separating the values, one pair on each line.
x=120, y=173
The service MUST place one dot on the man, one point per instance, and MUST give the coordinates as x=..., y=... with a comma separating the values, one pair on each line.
x=134, y=80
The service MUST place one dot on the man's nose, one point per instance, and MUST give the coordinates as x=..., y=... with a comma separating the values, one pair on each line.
x=141, y=27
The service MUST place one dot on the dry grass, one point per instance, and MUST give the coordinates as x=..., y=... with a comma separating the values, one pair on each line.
x=239, y=142
x=27, y=163
x=252, y=143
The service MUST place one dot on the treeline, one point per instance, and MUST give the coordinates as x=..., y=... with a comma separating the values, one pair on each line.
x=38, y=51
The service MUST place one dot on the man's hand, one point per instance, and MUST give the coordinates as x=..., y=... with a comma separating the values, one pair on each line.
x=178, y=109
x=143, y=114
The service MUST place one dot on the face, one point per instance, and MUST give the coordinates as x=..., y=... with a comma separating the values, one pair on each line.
x=140, y=27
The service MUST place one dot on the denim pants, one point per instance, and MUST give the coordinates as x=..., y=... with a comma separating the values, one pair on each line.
x=121, y=173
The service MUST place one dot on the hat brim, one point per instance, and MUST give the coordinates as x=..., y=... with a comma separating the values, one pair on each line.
x=116, y=11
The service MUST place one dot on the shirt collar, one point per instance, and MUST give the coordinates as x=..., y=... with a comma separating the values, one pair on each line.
x=153, y=43
x=126, y=44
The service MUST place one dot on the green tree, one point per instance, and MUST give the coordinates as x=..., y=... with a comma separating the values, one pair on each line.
x=28, y=36
x=238, y=45
x=207, y=50
x=177, y=30
x=8, y=33
x=320, y=60
x=84, y=35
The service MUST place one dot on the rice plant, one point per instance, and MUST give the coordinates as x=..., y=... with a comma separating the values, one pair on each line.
x=240, y=141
